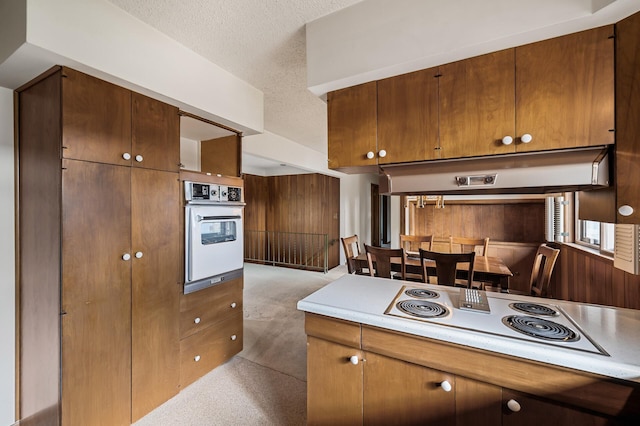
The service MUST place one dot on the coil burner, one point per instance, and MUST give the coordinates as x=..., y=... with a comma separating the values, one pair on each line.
x=540, y=328
x=421, y=293
x=422, y=308
x=534, y=309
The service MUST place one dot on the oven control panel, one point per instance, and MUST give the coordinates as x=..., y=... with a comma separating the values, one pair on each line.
x=194, y=191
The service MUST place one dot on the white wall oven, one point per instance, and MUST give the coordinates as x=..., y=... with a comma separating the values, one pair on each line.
x=213, y=235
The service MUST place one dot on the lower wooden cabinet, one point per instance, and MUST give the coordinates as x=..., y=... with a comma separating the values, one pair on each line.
x=211, y=324
x=364, y=381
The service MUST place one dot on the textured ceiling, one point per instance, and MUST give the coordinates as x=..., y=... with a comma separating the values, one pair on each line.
x=262, y=43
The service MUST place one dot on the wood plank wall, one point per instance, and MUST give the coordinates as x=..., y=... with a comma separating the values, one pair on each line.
x=521, y=222
x=308, y=203
x=590, y=278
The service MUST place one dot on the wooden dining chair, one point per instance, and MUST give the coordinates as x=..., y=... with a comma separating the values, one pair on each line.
x=382, y=258
x=351, y=248
x=465, y=245
x=447, y=266
x=411, y=244
x=543, y=265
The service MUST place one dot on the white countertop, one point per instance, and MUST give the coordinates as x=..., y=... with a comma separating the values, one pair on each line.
x=365, y=299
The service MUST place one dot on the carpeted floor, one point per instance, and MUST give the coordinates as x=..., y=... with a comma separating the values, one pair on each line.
x=266, y=383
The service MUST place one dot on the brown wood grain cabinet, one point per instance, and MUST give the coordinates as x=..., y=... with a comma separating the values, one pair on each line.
x=115, y=228
x=352, y=117
x=408, y=117
x=210, y=329
x=565, y=91
x=477, y=105
x=553, y=94
x=397, y=378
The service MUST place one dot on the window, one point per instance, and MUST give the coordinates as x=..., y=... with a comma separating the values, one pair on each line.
x=598, y=235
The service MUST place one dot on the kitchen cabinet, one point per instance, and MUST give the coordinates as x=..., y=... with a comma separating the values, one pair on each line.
x=553, y=94
x=400, y=378
x=565, y=91
x=210, y=329
x=477, y=105
x=110, y=235
x=352, y=132
x=408, y=117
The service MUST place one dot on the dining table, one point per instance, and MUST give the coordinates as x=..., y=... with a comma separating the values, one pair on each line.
x=489, y=269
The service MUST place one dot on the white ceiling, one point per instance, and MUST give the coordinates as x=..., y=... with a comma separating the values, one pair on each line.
x=264, y=43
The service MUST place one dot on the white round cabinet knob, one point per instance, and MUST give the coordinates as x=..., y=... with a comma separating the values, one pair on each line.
x=382, y=153
x=138, y=255
x=126, y=256
x=513, y=405
x=234, y=337
x=126, y=156
x=526, y=138
x=507, y=140
x=446, y=386
x=233, y=305
x=354, y=360
x=625, y=210
x=370, y=155
x=139, y=158
x=197, y=320
x=196, y=358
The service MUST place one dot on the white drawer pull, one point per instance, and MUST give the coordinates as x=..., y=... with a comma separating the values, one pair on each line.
x=139, y=158
x=526, y=138
x=126, y=256
x=446, y=386
x=234, y=337
x=370, y=155
x=354, y=360
x=233, y=305
x=513, y=405
x=126, y=156
x=197, y=320
x=507, y=140
x=196, y=358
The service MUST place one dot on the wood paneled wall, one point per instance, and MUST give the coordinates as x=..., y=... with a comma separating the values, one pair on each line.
x=522, y=222
x=308, y=203
x=590, y=278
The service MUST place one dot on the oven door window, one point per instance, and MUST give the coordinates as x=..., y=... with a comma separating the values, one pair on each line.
x=217, y=231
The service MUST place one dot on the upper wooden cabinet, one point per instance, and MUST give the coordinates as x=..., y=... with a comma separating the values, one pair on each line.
x=106, y=123
x=408, y=117
x=96, y=119
x=352, y=123
x=565, y=91
x=554, y=94
x=477, y=105
x=155, y=134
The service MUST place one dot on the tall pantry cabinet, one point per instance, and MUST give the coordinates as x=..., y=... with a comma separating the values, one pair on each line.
x=99, y=251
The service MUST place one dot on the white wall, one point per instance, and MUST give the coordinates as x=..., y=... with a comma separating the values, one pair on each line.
x=355, y=208
x=7, y=261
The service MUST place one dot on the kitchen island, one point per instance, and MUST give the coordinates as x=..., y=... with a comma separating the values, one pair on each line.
x=370, y=362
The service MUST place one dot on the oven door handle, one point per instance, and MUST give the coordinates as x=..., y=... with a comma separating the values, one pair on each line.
x=202, y=218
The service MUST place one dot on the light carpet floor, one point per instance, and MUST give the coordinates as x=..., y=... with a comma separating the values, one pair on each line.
x=266, y=383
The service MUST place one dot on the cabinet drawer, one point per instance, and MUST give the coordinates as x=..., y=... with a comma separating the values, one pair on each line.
x=216, y=305
x=203, y=351
x=335, y=330
x=210, y=295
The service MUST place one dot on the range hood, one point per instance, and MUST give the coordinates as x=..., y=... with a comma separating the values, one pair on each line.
x=544, y=172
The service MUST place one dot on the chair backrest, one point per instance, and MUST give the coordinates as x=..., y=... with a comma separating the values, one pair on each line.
x=447, y=265
x=543, y=265
x=351, y=249
x=382, y=258
x=465, y=245
x=415, y=242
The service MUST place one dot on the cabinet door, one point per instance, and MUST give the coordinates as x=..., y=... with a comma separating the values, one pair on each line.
x=565, y=91
x=536, y=412
x=408, y=117
x=397, y=392
x=155, y=134
x=352, y=126
x=477, y=101
x=477, y=403
x=156, y=261
x=334, y=384
x=627, y=122
x=96, y=294
x=96, y=119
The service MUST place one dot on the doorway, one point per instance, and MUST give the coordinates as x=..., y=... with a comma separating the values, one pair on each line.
x=380, y=218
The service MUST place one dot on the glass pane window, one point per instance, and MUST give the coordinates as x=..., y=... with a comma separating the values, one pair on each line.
x=215, y=232
x=608, y=237
x=590, y=232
